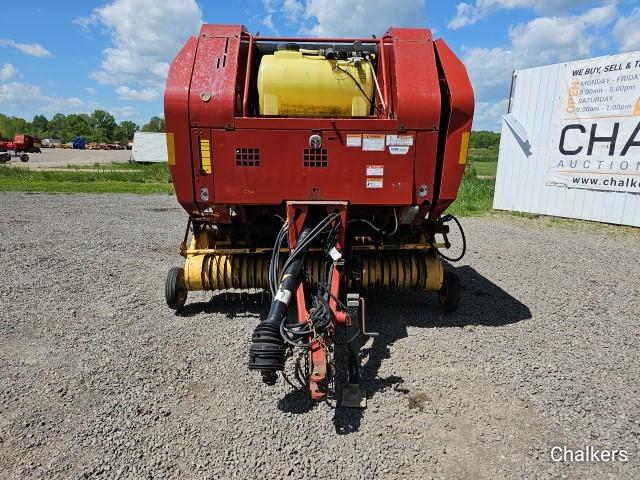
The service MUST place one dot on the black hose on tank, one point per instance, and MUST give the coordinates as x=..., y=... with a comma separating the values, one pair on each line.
x=267, y=351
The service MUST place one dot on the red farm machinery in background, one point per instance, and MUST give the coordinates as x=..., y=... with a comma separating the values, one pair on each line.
x=318, y=169
x=20, y=146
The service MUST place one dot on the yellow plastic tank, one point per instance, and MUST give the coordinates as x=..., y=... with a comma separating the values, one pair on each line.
x=294, y=84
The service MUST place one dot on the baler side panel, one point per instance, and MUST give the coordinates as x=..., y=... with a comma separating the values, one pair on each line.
x=416, y=87
x=214, y=82
x=425, y=161
x=176, y=112
x=461, y=104
x=417, y=102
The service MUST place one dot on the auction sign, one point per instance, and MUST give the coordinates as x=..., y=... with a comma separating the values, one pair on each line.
x=597, y=125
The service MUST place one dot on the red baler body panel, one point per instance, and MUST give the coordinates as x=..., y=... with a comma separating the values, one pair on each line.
x=258, y=160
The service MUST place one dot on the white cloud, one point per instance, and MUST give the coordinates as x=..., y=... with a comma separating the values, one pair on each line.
x=24, y=96
x=52, y=105
x=546, y=40
x=627, y=31
x=270, y=6
x=127, y=112
x=33, y=49
x=470, y=13
x=90, y=91
x=148, y=94
x=489, y=114
x=145, y=36
x=293, y=10
x=543, y=40
x=345, y=18
x=268, y=22
x=8, y=71
x=15, y=93
x=352, y=18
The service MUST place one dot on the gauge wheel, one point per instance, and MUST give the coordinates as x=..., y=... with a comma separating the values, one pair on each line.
x=175, y=290
x=449, y=293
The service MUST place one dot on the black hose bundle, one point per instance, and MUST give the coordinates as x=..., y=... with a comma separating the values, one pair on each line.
x=319, y=320
x=268, y=350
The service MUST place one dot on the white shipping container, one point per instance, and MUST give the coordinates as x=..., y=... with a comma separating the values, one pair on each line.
x=570, y=143
x=149, y=147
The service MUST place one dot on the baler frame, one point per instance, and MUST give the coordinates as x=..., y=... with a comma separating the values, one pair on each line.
x=382, y=180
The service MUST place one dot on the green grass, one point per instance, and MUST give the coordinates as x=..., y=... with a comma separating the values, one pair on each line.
x=116, y=166
x=144, y=179
x=475, y=196
x=483, y=155
x=485, y=169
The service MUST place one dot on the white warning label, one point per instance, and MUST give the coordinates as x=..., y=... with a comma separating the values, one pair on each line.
x=372, y=142
x=401, y=140
x=374, y=182
x=354, y=140
x=375, y=170
x=283, y=296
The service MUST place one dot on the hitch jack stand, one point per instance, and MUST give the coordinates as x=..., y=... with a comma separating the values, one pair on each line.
x=352, y=395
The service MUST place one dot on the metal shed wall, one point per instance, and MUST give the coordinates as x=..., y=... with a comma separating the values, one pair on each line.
x=520, y=180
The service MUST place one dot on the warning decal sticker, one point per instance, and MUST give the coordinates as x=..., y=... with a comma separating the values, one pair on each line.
x=374, y=182
x=354, y=140
x=373, y=142
x=375, y=170
x=401, y=140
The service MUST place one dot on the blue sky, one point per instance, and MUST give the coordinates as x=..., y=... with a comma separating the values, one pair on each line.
x=113, y=54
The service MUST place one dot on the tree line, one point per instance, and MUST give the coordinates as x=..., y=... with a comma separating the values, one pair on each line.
x=484, y=139
x=99, y=126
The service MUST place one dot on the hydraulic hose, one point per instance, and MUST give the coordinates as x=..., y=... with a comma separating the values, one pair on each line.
x=448, y=218
x=267, y=351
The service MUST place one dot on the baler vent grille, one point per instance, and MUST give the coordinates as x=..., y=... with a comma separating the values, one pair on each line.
x=248, y=157
x=315, y=157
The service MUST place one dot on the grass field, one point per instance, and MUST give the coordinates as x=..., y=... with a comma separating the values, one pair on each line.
x=483, y=155
x=474, y=198
x=485, y=169
x=101, y=178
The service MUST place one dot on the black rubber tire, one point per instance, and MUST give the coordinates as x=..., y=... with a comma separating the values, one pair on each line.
x=175, y=291
x=449, y=293
x=24, y=158
x=4, y=158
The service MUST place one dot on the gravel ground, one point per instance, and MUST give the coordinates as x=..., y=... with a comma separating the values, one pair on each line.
x=99, y=379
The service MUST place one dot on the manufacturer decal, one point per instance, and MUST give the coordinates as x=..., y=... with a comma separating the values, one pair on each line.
x=397, y=150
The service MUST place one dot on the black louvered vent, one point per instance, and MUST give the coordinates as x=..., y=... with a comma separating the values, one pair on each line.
x=248, y=157
x=315, y=157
